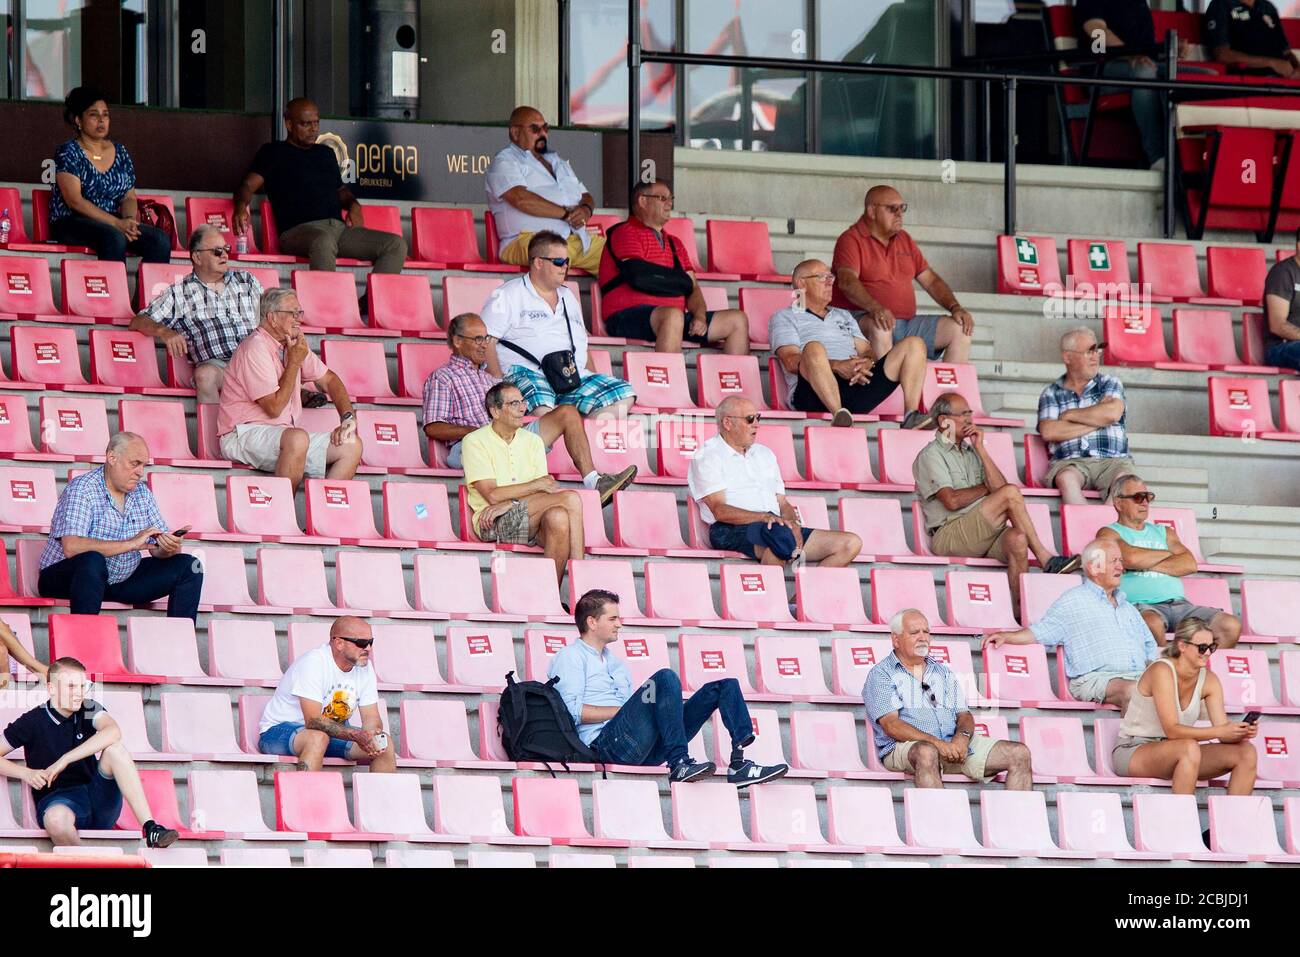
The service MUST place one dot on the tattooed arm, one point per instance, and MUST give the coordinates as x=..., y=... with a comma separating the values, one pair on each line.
x=315, y=720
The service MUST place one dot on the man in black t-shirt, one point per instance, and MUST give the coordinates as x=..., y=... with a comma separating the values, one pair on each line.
x=1248, y=34
x=302, y=182
x=1282, y=312
x=73, y=789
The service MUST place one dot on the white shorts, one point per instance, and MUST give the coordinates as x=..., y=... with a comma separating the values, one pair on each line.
x=259, y=446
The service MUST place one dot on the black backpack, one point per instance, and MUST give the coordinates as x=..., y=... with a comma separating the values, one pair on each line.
x=536, y=725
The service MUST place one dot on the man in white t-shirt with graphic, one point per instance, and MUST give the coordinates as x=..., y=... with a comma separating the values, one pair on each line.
x=327, y=705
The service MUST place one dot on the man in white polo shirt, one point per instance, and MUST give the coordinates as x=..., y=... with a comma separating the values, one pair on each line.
x=738, y=486
x=829, y=366
x=536, y=316
x=531, y=188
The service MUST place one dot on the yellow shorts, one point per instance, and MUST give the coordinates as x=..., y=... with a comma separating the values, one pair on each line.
x=517, y=252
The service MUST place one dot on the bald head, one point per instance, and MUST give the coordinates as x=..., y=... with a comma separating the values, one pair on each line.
x=301, y=122
x=528, y=129
x=299, y=105
x=883, y=211
x=814, y=281
x=350, y=626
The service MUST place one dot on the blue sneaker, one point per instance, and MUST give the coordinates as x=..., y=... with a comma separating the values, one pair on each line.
x=689, y=770
x=748, y=773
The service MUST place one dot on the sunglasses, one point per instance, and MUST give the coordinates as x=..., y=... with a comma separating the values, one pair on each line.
x=1205, y=650
x=1091, y=350
x=1142, y=498
x=362, y=643
x=749, y=419
x=536, y=127
x=934, y=701
x=557, y=261
x=216, y=250
x=895, y=208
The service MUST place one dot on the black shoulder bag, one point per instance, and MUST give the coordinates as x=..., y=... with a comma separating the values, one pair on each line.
x=560, y=368
x=647, y=277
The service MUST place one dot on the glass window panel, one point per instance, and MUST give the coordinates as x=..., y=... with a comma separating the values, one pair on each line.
x=776, y=109
x=598, y=64
x=52, y=44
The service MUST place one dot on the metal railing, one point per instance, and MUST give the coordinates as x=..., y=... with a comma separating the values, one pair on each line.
x=1009, y=82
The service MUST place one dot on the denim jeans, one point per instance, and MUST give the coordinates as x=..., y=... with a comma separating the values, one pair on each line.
x=110, y=243
x=1284, y=354
x=654, y=726
x=83, y=580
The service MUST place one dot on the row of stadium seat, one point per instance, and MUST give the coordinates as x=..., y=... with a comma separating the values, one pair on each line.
x=1203, y=340
x=1241, y=407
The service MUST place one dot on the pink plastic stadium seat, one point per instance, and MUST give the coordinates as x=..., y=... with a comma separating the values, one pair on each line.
x=741, y=247
x=711, y=657
x=372, y=580
x=1021, y=673
x=93, y=640
x=27, y=499
x=162, y=425
x=96, y=290
x=403, y=303
x=863, y=816
x=1093, y=821
x=766, y=748
x=1244, y=824
x=293, y=578
x=613, y=576
x=878, y=522
x=644, y=653
x=659, y=380
x=405, y=658
x=1171, y=270
x=683, y=229
x=1240, y=407
x=1277, y=748
x=526, y=585
x=127, y=709
x=471, y=806
x=648, y=520
x=450, y=586
x=1205, y=336
x=25, y=292
x=828, y=741
x=255, y=857
x=201, y=724
x=1135, y=336
x=48, y=355
x=313, y=802
x=895, y=589
x=419, y=513
x=418, y=857
x=1169, y=824
x=1028, y=265
x=391, y=804
x=337, y=858
x=757, y=593
x=211, y=211
x=328, y=300
x=839, y=457
x=341, y=510
x=392, y=441
x=160, y=792
x=363, y=368
x=166, y=646
x=262, y=505
x=244, y=651
x=1236, y=273
x=720, y=377
x=437, y=733
x=790, y=666
x=760, y=304
x=1246, y=680
x=462, y=294
x=852, y=659
x=1017, y=821
x=445, y=238
x=628, y=811
x=480, y=656
x=1059, y=750
x=786, y=814
x=225, y=583
x=416, y=361
x=681, y=590
x=1271, y=608
x=552, y=808
x=830, y=596
x=1037, y=592
x=127, y=360
x=979, y=600
x=710, y=813
x=941, y=377
x=942, y=819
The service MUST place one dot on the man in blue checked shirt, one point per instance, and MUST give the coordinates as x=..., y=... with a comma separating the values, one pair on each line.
x=920, y=721
x=649, y=725
x=103, y=520
x=1107, y=643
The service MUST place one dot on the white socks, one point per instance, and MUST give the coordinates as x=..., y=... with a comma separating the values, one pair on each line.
x=590, y=479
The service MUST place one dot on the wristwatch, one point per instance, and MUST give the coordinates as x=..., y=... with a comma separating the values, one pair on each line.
x=347, y=415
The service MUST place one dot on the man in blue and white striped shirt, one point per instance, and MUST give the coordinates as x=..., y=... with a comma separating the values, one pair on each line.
x=920, y=720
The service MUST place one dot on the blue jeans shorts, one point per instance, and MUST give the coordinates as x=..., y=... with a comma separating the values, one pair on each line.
x=279, y=740
x=97, y=805
x=743, y=538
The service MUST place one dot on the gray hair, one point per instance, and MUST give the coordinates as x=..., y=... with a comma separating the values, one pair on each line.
x=457, y=327
x=272, y=299
x=1117, y=487
x=120, y=440
x=896, y=623
x=801, y=271
x=1068, y=340
x=203, y=229
x=1094, y=555
x=727, y=407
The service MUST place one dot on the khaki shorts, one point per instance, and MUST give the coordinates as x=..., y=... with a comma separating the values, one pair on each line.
x=973, y=767
x=970, y=536
x=1122, y=753
x=259, y=446
x=1098, y=474
x=510, y=528
x=1092, y=686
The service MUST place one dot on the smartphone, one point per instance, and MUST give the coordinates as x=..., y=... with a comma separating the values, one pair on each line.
x=1252, y=717
x=182, y=532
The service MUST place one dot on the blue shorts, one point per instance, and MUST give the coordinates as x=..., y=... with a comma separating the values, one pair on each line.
x=279, y=740
x=634, y=323
x=97, y=805
x=596, y=391
x=453, y=450
x=923, y=327
x=743, y=538
x=1285, y=354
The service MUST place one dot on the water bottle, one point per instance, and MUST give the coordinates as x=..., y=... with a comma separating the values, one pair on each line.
x=241, y=244
x=6, y=225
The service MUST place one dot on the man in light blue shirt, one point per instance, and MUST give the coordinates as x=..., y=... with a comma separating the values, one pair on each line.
x=531, y=189
x=1107, y=644
x=650, y=726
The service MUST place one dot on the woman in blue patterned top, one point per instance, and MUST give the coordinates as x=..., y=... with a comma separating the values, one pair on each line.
x=94, y=189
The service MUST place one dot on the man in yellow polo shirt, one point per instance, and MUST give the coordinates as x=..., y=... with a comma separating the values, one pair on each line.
x=514, y=499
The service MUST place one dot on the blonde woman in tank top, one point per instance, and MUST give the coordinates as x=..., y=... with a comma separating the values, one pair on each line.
x=1158, y=737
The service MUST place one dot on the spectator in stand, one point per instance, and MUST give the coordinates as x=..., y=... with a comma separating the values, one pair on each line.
x=649, y=293
x=261, y=401
x=1248, y=35
x=12, y=654
x=327, y=705
x=829, y=367
x=513, y=498
x=1155, y=561
x=303, y=184
x=537, y=316
x=650, y=725
x=968, y=503
x=1282, y=307
x=1083, y=417
x=1159, y=737
x=920, y=721
x=875, y=263
x=207, y=314
x=76, y=764
x=93, y=202
x=102, y=522
x=737, y=484
x=1107, y=644
x=453, y=408
x=531, y=189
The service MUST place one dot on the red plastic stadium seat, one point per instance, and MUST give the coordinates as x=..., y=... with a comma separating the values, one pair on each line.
x=1017, y=821
x=75, y=427
x=1236, y=273
x=262, y=505
x=161, y=424
x=416, y=361
x=227, y=801
x=27, y=499
x=160, y=793
x=363, y=367
x=470, y=806
x=480, y=656
x=552, y=808
x=390, y=804
x=683, y=228
x=313, y=802
x=385, y=219
x=1099, y=268
x=446, y=239
x=19, y=238
x=201, y=724
x=214, y=211
x=1254, y=333
x=49, y=356
x=830, y=596
x=682, y=589
x=403, y=303
x=96, y=290
x=1205, y=336
x=1093, y=821
x=244, y=651
x=525, y=585
x=659, y=380
x=341, y=510
x=760, y=304
x=705, y=658
x=41, y=225
x=1240, y=407
x=372, y=580
x=1135, y=336
x=462, y=294
x=979, y=600
x=93, y=640
x=328, y=300
x=741, y=247
x=1244, y=824
x=1028, y=265
x=25, y=291
x=959, y=377
x=127, y=360
x=166, y=646
x=1021, y=673
x=293, y=578
x=1288, y=395
x=1271, y=608
x=1037, y=592
x=720, y=377
x=1171, y=270
x=790, y=666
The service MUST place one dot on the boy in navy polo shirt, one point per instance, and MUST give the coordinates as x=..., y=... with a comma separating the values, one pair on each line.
x=73, y=788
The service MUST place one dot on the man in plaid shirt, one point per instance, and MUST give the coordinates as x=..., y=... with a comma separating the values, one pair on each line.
x=1082, y=418
x=454, y=407
x=103, y=520
x=206, y=314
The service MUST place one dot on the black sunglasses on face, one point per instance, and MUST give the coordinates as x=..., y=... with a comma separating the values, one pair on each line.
x=557, y=261
x=216, y=250
x=1205, y=650
x=362, y=643
x=1142, y=498
x=749, y=419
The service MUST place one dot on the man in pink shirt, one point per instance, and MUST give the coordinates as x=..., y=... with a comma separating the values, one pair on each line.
x=261, y=401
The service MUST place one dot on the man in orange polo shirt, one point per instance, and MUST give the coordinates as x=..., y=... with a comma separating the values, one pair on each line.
x=875, y=263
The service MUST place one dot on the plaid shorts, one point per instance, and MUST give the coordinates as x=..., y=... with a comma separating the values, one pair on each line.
x=510, y=528
x=595, y=392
